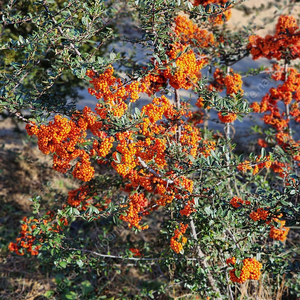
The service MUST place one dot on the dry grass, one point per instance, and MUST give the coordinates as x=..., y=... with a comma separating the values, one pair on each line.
x=24, y=172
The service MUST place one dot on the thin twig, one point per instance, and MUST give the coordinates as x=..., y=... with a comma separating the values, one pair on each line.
x=59, y=28
x=120, y=257
x=152, y=171
x=18, y=115
x=233, y=238
x=177, y=101
x=287, y=108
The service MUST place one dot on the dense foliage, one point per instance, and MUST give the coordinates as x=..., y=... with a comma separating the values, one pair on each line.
x=218, y=222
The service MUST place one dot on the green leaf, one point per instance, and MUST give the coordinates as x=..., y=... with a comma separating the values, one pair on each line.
x=190, y=5
x=208, y=210
x=100, y=60
x=63, y=264
x=21, y=39
x=137, y=111
x=86, y=287
x=258, y=256
x=83, y=72
x=191, y=158
x=79, y=263
x=112, y=55
x=237, y=273
x=240, y=117
x=49, y=294
x=71, y=295
x=75, y=211
x=118, y=158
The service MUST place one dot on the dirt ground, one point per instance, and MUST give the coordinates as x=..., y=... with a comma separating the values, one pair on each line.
x=264, y=9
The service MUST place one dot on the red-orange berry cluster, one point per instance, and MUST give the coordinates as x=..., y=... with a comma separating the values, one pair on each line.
x=114, y=92
x=279, y=234
x=285, y=44
x=178, y=240
x=136, y=205
x=286, y=92
x=188, y=208
x=259, y=214
x=244, y=166
x=206, y=147
x=187, y=70
x=135, y=252
x=63, y=137
x=276, y=233
x=255, y=167
x=26, y=240
x=190, y=33
x=228, y=118
x=233, y=84
x=237, y=202
x=275, y=46
x=80, y=196
x=250, y=270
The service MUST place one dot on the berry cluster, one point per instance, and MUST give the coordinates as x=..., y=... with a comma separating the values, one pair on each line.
x=221, y=17
x=285, y=45
x=277, y=231
x=255, y=167
x=178, y=240
x=136, y=252
x=250, y=269
x=259, y=214
x=63, y=137
x=274, y=46
x=237, y=202
x=188, y=208
x=279, y=234
x=233, y=84
x=136, y=205
x=189, y=33
x=27, y=241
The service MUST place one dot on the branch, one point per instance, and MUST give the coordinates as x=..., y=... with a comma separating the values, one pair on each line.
x=287, y=107
x=203, y=262
x=222, y=10
x=152, y=171
x=59, y=28
x=232, y=236
x=18, y=115
x=177, y=101
x=120, y=257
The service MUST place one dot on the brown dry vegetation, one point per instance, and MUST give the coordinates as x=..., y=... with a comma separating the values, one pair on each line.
x=24, y=172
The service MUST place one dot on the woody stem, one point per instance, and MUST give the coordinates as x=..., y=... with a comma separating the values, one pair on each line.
x=227, y=126
x=203, y=262
x=227, y=134
x=287, y=107
x=177, y=102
